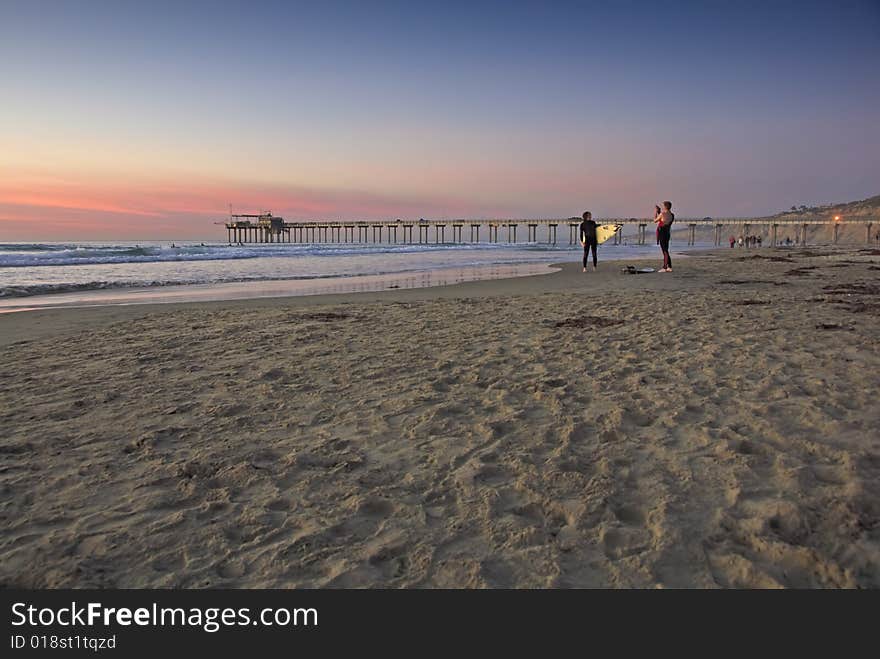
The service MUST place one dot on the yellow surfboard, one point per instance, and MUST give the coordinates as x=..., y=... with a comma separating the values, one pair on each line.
x=605, y=231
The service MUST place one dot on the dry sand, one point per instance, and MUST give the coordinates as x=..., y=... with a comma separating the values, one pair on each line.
x=713, y=427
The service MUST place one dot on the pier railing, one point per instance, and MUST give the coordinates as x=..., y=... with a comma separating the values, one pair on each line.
x=270, y=229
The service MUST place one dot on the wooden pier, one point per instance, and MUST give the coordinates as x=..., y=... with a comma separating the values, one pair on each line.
x=267, y=228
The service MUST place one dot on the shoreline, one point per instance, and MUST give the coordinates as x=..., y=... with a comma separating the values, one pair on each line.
x=26, y=324
x=65, y=286
x=269, y=288
x=17, y=325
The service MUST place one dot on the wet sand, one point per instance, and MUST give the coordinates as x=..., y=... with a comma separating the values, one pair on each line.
x=716, y=427
x=272, y=288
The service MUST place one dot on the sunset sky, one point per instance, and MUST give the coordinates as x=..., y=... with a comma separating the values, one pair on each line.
x=138, y=120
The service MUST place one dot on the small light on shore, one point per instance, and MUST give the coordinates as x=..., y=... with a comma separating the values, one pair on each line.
x=837, y=218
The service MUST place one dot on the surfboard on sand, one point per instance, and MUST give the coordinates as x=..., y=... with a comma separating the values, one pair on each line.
x=631, y=270
x=605, y=231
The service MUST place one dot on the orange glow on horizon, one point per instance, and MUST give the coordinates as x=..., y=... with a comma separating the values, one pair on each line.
x=53, y=208
x=70, y=203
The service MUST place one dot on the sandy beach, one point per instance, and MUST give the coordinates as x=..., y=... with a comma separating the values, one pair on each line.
x=713, y=427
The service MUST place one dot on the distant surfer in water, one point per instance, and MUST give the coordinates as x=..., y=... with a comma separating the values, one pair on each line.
x=589, y=240
x=664, y=221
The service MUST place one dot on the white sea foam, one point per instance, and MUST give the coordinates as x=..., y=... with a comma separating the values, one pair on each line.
x=38, y=269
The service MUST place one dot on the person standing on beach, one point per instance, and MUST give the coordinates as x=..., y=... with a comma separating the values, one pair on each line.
x=589, y=239
x=666, y=218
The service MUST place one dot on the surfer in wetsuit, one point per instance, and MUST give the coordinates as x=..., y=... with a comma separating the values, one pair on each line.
x=588, y=238
x=666, y=218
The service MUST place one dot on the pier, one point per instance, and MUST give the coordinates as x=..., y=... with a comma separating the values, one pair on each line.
x=267, y=228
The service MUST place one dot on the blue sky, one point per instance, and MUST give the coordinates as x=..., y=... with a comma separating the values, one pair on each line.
x=125, y=110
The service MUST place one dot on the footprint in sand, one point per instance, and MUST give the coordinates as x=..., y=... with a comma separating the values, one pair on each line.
x=829, y=474
x=554, y=383
x=278, y=505
x=368, y=518
x=389, y=555
x=502, y=429
x=170, y=563
x=273, y=374
x=630, y=515
x=375, y=507
x=497, y=574
x=155, y=440
x=490, y=474
x=264, y=459
x=577, y=464
x=622, y=542
x=231, y=570
x=638, y=418
x=531, y=512
x=745, y=447
x=630, y=537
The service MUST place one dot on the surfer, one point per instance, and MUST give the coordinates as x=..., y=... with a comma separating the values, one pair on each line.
x=666, y=218
x=589, y=240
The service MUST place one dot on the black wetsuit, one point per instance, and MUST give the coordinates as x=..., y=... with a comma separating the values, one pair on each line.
x=588, y=238
x=663, y=236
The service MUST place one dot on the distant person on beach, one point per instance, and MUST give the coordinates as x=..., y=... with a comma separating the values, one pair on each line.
x=732, y=242
x=589, y=239
x=667, y=217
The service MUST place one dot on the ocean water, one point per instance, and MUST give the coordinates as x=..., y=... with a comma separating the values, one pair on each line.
x=42, y=272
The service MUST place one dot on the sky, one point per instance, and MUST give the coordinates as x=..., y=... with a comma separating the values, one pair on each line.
x=139, y=120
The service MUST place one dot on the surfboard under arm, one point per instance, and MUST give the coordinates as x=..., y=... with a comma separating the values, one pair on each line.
x=605, y=231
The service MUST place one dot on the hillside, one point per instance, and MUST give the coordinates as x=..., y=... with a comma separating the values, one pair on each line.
x=853, y=210
x=862, y=209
